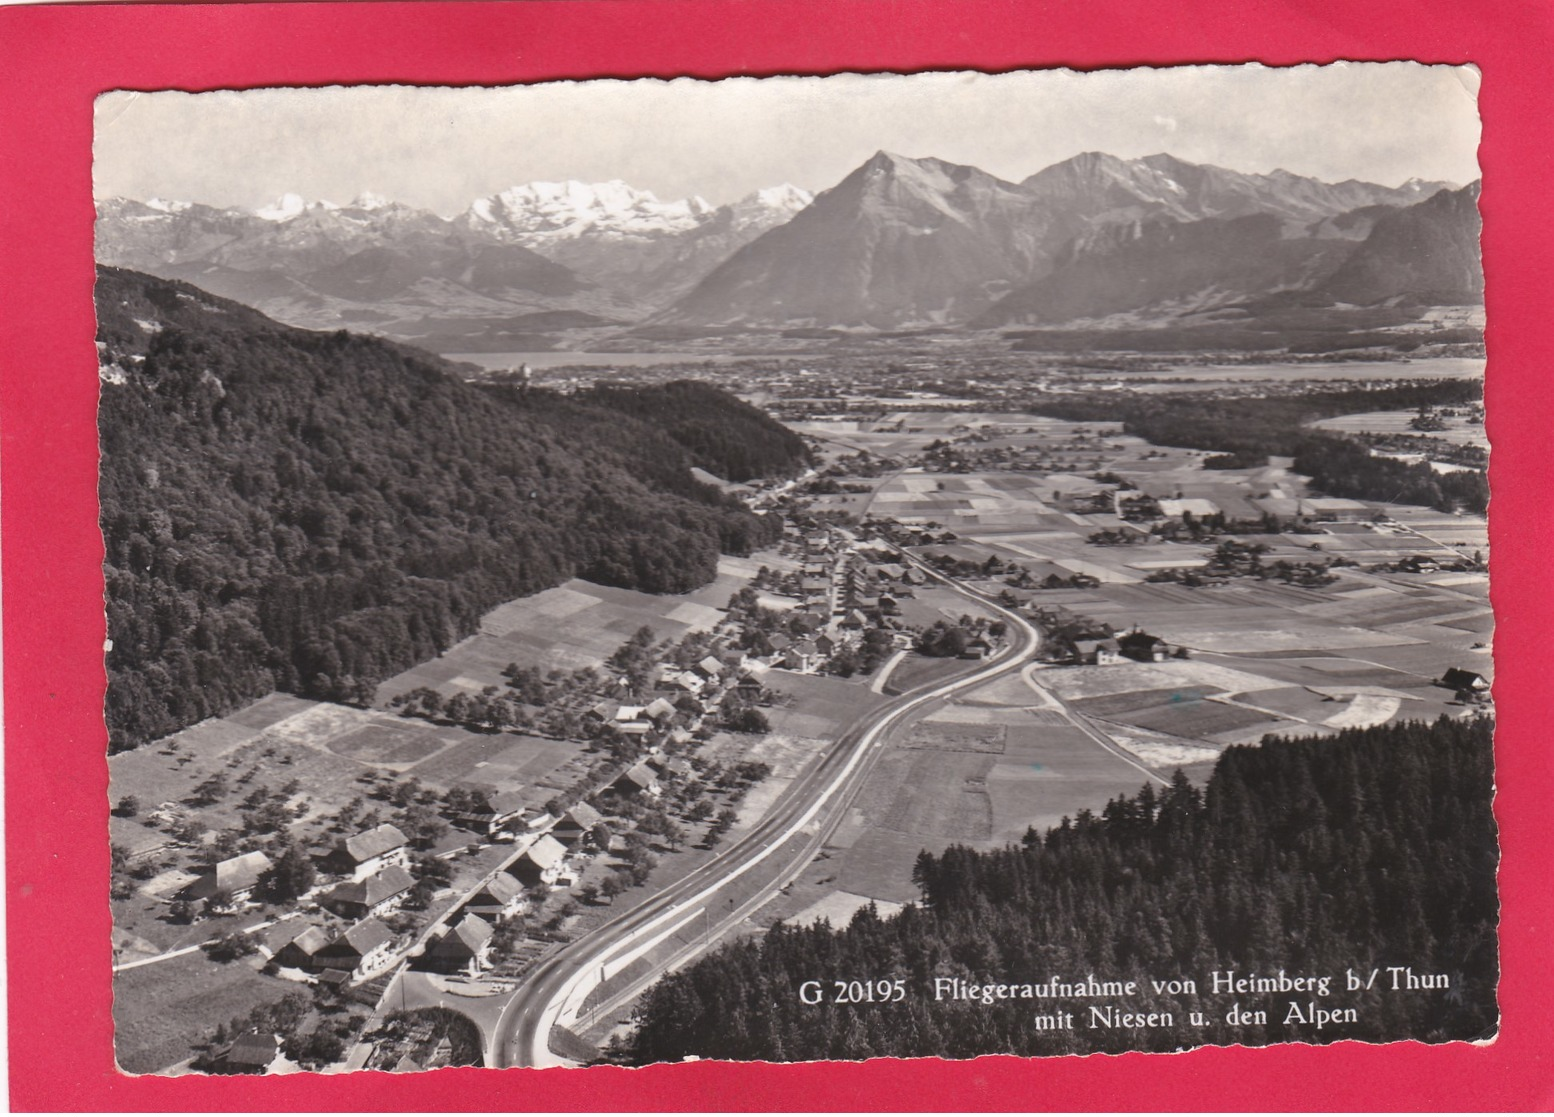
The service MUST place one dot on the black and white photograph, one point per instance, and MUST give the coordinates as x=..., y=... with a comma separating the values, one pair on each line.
x=795, y=568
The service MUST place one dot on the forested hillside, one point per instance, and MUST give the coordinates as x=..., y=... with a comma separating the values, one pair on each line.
x=1369, y=849
x=312, y=512
x=724, y=436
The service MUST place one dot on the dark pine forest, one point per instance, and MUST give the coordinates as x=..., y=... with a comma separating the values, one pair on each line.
x=313, y=512
x=1372, y=848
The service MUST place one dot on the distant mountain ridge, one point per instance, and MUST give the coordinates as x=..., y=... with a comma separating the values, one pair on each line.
x=605, y=251
x=897, y=243
x=910, y=242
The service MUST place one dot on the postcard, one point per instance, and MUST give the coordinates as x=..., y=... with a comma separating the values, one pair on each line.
x=899, y=565
x=553, y=566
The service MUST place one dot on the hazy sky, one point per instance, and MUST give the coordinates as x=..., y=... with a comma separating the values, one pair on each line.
x=440, y=148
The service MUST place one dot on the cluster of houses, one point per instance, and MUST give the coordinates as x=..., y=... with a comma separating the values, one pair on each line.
x=841, y=596
x=1137, y=645
x=375, y=862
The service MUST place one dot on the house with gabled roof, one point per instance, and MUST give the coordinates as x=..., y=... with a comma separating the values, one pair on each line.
x=1097, y=652
x=492, y=812
x=637, y=780
x=236, y=877
x=499, y=898
x=300, y=953
x=676, y=766
x=379, y=894
x=577, y=823
x=749, y=687
x=803, y=656
x=659, y=710
x=709, y=668
x=463, y=948
x=1143, y=647
x=541, y=863
x=251, y=1053
x=1460, y=679
x=360, y=950
x=687, y=681
x=363, y=855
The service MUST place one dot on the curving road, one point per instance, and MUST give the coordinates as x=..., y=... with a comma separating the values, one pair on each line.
x=555, y=991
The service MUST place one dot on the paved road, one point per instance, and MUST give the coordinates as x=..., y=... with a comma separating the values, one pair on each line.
x=555, y=991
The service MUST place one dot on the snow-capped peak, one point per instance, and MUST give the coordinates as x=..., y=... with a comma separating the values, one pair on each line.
x=163, y=205
x=770, y=206
x=283, y=208
x=785, y=197
x=554, y=210
x=367, y=200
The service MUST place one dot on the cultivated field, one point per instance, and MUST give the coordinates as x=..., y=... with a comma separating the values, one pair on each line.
x=1457, y=427
x=158, y=1008
x=576, y=624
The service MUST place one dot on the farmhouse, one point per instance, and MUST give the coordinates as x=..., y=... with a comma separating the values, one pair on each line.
x=369, y=852
x=465, y=948
x=499, y=898
x=251, y=1053
x=379, y=894
x=804, y=656
x=659, y=710
x=235, y=877
x=676, y=766
x=489, y=812
x=359, y=951
x=300, y=952
x=605, y=712
x=977, y=648
x=1097, y=652
x=749, y=688
x=638, y=779
x=541, y=863
x=1460, y=679
x=577, y=823
x=1143, y=647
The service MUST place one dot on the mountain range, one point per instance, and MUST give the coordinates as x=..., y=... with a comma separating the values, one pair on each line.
x=897, y=243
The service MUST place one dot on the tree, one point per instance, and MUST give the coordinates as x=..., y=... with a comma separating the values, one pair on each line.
x=120, y=887
x=431, y=869
x=613, y=885
x=942, y=639
x=674, y=834
x=218, y=902
x=291, y=875
x=600, y=836
x=232, y=946
x=750, y=720
x=209, y=790
x=128, y=807
x=317, y=1048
